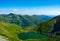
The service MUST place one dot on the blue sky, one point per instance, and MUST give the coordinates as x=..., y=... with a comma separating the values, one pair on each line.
x=30, y=7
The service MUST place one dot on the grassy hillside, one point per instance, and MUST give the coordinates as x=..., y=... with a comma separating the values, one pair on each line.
x=44, y=27
x=10, y=31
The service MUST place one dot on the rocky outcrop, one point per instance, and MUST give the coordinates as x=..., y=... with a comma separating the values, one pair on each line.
x=55, y=30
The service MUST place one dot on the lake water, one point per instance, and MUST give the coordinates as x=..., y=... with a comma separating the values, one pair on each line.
x=32, y=35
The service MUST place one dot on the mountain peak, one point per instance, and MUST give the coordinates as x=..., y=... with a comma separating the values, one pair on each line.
x=11, y=14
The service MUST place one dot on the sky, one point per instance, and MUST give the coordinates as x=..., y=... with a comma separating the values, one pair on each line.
x=30, y=7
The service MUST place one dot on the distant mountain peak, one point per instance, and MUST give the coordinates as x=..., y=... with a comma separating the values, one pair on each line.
x=11, y=14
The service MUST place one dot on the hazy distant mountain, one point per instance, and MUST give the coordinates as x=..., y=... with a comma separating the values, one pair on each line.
x=24, y=20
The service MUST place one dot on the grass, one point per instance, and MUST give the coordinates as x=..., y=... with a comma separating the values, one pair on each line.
x=10, y=31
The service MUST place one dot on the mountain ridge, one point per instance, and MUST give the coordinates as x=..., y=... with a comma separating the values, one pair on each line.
x=24, y=20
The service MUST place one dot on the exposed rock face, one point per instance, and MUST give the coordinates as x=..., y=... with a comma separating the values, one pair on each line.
x=56, y=27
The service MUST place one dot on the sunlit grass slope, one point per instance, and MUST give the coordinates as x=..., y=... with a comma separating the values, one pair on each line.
x=10, y=31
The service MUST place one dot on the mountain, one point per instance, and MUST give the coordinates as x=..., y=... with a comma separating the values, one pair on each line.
x=49, y=27
x=13, y=32
x=24, y=20
x=44, y=27
x=10, y=31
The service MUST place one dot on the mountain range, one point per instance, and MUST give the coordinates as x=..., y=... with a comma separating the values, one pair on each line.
x=11, y=27
x=24, y=20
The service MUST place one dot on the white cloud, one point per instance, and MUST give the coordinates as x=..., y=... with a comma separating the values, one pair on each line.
x=31, y=11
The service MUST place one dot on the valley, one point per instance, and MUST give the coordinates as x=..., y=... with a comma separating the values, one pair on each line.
x=27, y=28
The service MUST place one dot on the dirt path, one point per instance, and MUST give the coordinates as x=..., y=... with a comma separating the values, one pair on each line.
x=2, y=38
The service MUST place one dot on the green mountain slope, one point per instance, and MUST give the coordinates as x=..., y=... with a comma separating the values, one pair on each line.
x=24, y=20
x=44, y=27
x=10, y=31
